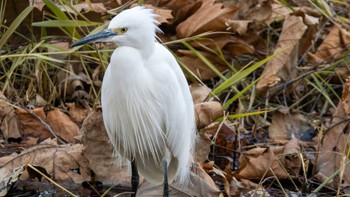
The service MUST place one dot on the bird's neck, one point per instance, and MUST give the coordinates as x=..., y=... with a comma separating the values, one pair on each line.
x=146, y=48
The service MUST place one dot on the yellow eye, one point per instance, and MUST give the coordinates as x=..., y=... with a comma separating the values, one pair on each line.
x=124, y=29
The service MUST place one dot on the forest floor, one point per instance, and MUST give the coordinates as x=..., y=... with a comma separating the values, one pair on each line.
x=270, y=81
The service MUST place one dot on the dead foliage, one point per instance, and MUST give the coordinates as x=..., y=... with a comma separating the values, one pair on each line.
x=285, y=121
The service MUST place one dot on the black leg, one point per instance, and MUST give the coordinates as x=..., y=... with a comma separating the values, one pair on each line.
x=166, y=184
x=134, y=178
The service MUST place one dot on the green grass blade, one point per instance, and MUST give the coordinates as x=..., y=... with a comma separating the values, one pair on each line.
x=205, y=60
x=14, y=25
x=240, y=75
x=240, y=93
x=241, y=115
x=64, y=23
x=61, y=16
x=55, y=10
x=43, y=57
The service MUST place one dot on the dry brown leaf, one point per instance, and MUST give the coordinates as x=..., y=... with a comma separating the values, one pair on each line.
x=241, y=187
x=210, y=16
x=60, y=123
x=283, y=66
x=238, y=46
x=71, y=84
x=335, y=42
x=219, y=176
x=335, y=141
x=225, y=139
x=199, y=92
x=181, y=9
x=198, y=67
x=311, y=31
x=291, y=157
x=109, y=167
x=77, y=112
x=60, y=161
x=39, y=4
x=8, y=178
x=85, y=7
x=259, y=191
x=239, y=26
x=259, y=10
x=164, y=15
x=290, y=125
x=202, y=149
x=31, y=126
x=279, y=13
x=233, y=44
x=63, y=125
x=8, y=119
x=259, y=162
x=215, y=42
x=40, y=101
x=207, y=112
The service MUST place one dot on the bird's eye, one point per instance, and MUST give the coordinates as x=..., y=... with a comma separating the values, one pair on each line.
x=124, y=29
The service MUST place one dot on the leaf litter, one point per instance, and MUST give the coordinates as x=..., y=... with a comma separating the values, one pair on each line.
x=303, y=140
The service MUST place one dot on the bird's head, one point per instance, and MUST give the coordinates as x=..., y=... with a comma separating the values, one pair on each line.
x=133, y=27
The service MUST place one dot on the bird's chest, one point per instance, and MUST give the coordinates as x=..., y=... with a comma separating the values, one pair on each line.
x=133, y=113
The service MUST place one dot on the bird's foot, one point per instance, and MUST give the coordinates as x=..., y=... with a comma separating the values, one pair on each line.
x=166, y=184
x=134, y=178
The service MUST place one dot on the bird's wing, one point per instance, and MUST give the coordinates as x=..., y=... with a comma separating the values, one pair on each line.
x=180, y=113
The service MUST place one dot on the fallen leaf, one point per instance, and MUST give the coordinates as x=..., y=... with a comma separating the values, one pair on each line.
x=207, y=112
x=8, y=178
x=259, y=163
x=77, y=112
x=85, y=7
x=202, y=149
x=210, y=16
x=332, y=46
x=279, y=13
x=62, y=162
x=335, y=142
x=283, y=67
x=181, y=9
x=63, y=125
x=199, y=92
x=259, y=10
x=39, y=4
x=238, y=46
x=9, y=124
x=71, y=84
x=60, y=124
x=164, y=15
x=227, y=42
x=291, y=154
x=108, y=165
x=239, y=26
x=36, y=175
x=290, y=125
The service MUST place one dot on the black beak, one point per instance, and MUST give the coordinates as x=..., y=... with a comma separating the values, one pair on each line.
x=95, y=38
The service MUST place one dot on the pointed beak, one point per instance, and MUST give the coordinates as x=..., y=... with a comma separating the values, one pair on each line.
x=107, y=33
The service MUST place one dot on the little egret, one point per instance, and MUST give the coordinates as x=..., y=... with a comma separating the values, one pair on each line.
x=147, y=106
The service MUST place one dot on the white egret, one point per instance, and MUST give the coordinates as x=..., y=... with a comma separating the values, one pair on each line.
x=147, y=106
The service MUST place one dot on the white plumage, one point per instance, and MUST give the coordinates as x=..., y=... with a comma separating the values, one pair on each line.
x=147, y=106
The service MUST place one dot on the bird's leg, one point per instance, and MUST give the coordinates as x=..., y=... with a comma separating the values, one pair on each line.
x=166, y=184
x=134, y=178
